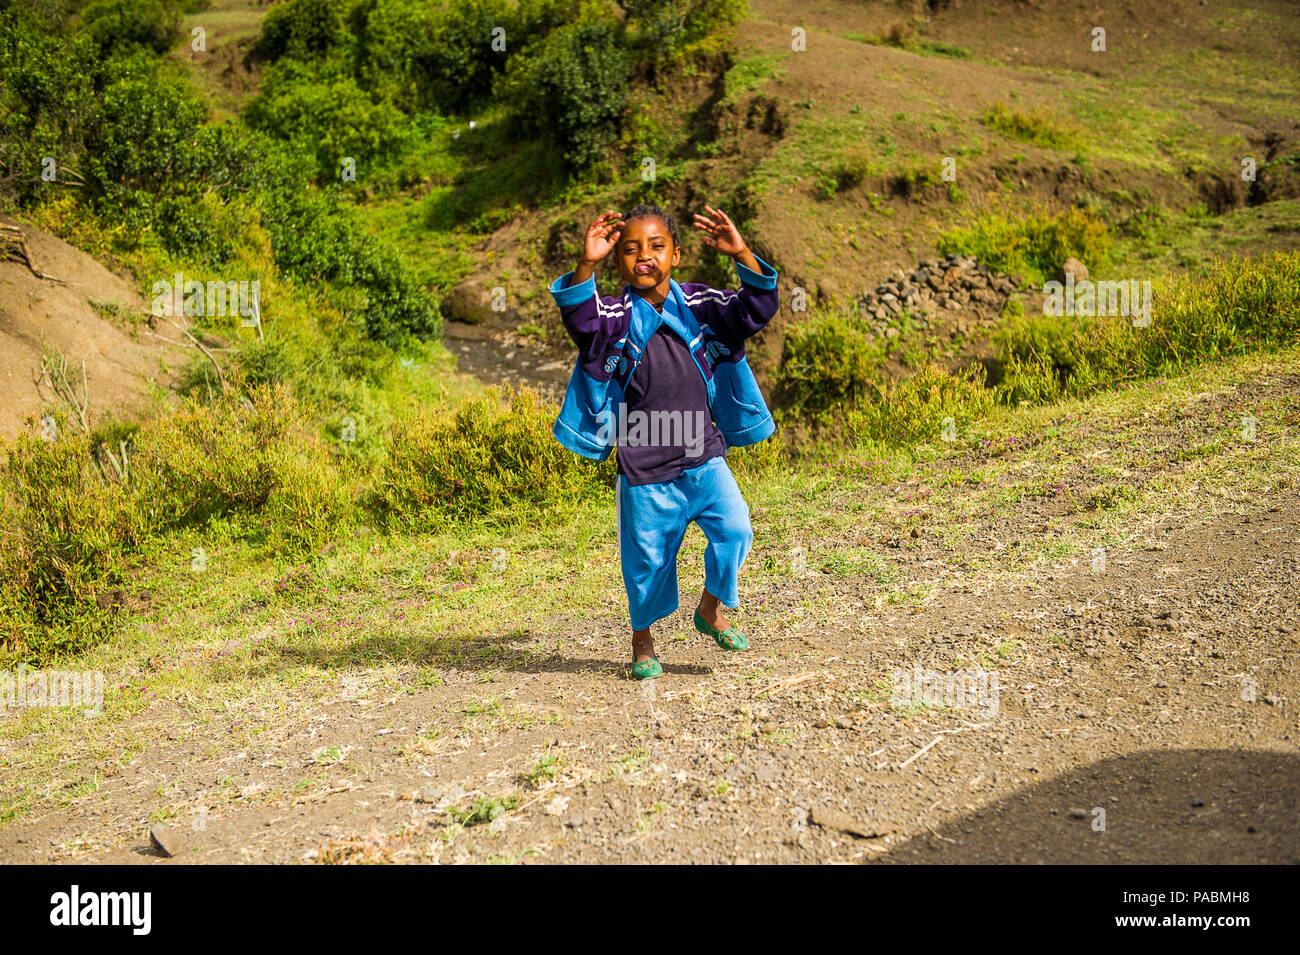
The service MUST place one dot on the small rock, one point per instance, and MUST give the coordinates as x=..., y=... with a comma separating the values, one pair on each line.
x=834, y=819
x=167, y=841
x=1078, y=814
x=469, y=302
x=1073, y=266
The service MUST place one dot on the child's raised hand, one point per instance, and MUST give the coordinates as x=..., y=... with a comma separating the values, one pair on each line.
x=722, y=234
x=602, y=236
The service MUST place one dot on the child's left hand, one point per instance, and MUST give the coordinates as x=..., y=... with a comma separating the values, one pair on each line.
x=723, y=234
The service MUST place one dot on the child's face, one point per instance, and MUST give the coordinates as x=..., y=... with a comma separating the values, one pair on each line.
x=646, y=254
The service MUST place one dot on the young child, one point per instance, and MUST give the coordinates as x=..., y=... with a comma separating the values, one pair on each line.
x=662, y=368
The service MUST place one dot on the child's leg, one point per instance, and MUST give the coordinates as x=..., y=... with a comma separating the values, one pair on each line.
x=652, y=521
x=723, y=516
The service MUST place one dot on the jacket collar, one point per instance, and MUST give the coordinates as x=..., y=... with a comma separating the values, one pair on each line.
x=677, y=315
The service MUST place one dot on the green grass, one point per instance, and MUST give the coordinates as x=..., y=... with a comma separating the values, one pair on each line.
x=750, y=74
x=903, y=40
x=1041, y=129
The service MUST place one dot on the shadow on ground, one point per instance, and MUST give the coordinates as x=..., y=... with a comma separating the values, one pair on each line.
x=1189, y=806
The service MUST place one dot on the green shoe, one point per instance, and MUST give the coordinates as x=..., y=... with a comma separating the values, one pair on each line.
x=729, y=639
x=647, y=669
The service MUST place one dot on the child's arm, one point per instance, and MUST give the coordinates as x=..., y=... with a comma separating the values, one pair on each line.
x=592, y=325
x=743, y=313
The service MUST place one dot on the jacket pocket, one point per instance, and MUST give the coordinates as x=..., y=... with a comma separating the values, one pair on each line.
x=738, y=389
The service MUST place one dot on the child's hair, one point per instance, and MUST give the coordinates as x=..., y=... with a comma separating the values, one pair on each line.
x=645, y=212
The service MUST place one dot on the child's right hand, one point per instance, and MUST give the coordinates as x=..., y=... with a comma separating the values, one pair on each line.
x=602, y=236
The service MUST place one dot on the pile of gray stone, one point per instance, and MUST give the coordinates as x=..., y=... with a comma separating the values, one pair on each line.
x=937, y=285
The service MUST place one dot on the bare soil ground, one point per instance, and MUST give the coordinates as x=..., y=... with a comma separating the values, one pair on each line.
x=122, y=368
x=1146, y=708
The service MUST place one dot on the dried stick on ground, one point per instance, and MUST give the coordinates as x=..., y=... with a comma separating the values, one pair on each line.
x=13, y=247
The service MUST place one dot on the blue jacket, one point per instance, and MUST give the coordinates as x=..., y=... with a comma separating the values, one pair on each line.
x=611, y=335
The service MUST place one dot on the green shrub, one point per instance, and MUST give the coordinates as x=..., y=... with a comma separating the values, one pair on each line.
x=119, y=26
x=1037, y=128
x=147, y=127
x=460, y=63
x=1035, y=245
x=47, y=95
x=302, y=29
x=261, y=462
x=661, y=32
x=62, y=533
x=1030, y=380
x=325, y=113
x=571, y=89
x=1239, y=306
x=903, y=412
x=315, y=238
x=483, y=461
x=829, y=360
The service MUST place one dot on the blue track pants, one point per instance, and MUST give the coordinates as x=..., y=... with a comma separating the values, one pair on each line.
x=652, y=521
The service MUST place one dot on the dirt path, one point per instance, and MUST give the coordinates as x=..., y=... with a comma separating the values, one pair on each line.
x=1145, y=707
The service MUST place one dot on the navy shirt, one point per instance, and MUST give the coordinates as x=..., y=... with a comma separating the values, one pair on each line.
x=667, y=380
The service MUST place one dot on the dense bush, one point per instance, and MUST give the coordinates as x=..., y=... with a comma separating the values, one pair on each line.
x=483, y=461
x=315, y=237
x=119, y=26
x=302, y=29
x=902, y=412
x=63, y=533
x=67, y=533
x=572, y=90
x=327, y=114
x=828, y=361
x=46, y=94
x=663, y=29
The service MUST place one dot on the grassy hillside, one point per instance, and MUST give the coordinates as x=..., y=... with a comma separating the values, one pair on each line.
x=340, y=506
x=869, y=140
